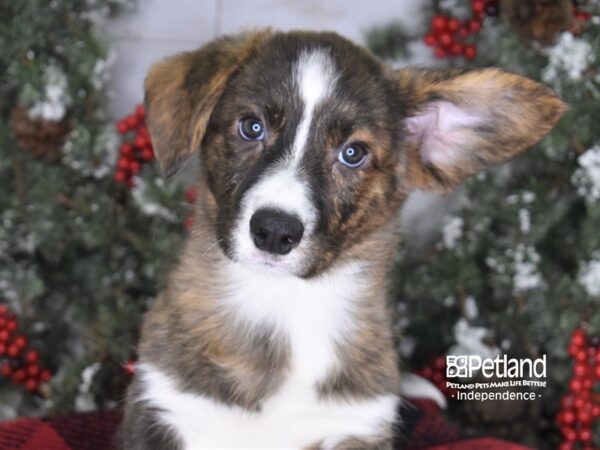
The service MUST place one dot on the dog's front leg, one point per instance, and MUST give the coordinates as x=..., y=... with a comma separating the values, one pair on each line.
x=142, y=428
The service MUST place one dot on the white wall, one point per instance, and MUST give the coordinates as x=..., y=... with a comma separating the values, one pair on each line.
x=158, y=28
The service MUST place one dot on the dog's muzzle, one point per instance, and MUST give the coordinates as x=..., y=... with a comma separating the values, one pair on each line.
x=275, y=231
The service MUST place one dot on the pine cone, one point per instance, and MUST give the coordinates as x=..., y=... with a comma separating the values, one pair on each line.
x=42, y=138
x=539, y=20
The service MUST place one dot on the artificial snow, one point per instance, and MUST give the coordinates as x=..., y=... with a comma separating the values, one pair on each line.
x=85, y=400
x=471, y=310
x=469, y=341
x=524, y=220
x=452, y=231
x=587, y=177
x=526, y=275
x=144, y=201
x=56, y=98
x=589, y=277
x=570, y=56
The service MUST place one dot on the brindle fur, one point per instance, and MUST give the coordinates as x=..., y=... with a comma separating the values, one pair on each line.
x=194, y=102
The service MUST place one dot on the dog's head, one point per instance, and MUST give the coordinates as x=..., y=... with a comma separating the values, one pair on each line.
x=309, y=145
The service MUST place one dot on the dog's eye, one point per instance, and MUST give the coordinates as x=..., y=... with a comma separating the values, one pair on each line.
x=251, y=129
x=353, y=155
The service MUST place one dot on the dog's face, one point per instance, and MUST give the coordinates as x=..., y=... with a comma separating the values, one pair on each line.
x=309, y=145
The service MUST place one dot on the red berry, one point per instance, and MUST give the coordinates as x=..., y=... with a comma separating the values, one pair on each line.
x=32, y=356
x=580, y=370
x=13, y=351
x=587, y=383
x=20, y=341
x=126, y=149
x=580, y=402
x=4, y=335
x=439, y=22
x=3, y=310
x=578, y=337
x=135, y=166
x=463, y=32
x=131, y=121
x=566, y=446
x=456, y=48
x=45, y=376
x=597, y=372
x=11, y=325
x=2, y=321
x=595, y=411
x=19, y=376
x=147, y=154
x=122, y=127
x=470, y=51
x=575, y=385
x=445, y=39
x=439, y=52
x=474, y=26
x=31, y=385
x=581, y=356
x=33, y=370
x=120, y=176
x=430, y=40
x=123, y=164
x=141, y=141
x=572, y=350
x=585, y=434
x=5, y=369
x=139, y=111
x=477, y=6
x=191, y=194
x=584, y=417
x=568, y=417
x=569, y=433
x=453, y=24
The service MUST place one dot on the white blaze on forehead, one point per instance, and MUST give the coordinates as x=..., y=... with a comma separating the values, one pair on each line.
x=282, y=187
x=314, y=74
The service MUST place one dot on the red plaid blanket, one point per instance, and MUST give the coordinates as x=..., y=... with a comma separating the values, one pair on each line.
x=424, y=428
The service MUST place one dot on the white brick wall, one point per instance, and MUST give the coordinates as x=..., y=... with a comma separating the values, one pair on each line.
x=159, y=28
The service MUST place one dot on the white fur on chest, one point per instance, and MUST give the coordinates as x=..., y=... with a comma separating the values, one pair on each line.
x=313, y=316
x=293, y=418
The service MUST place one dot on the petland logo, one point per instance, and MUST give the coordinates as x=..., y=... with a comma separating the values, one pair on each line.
x=465, y=366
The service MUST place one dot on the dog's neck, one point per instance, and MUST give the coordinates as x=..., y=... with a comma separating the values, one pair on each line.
x=258, y=330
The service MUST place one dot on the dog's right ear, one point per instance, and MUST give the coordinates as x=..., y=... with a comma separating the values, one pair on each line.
x=182, y=91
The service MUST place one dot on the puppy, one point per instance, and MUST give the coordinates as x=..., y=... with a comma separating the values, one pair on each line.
x=273, y=330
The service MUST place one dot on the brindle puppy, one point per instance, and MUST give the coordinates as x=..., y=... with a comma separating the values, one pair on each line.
x=273, y=329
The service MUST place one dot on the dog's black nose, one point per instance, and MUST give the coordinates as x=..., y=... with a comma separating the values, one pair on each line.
x=275, y=231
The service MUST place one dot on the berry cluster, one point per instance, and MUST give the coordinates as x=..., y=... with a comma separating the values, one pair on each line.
x=22, y=364
x=448, y=35
x=190, y=196
x=581, y=406
x=136, y=149
x=436, y=373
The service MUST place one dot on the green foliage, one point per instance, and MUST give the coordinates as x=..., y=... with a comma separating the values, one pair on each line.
x=80, y=258
x=526, y=233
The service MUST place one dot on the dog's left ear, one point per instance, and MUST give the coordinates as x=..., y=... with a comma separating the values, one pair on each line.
x=182, y=91
x=461, y=122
